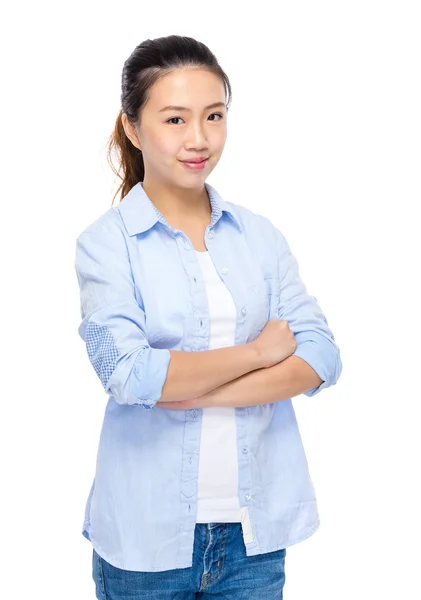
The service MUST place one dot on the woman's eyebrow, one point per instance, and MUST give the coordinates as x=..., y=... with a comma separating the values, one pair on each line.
x=214, y=105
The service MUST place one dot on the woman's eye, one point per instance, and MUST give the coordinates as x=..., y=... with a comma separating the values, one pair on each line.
x=213, y=114
x=218, y=115
x=173, y=119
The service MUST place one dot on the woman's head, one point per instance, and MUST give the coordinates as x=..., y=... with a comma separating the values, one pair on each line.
x=152, y=142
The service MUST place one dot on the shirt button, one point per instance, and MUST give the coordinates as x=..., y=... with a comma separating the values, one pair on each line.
x=248, y=497
x=245, y=450
x=224, y=270
x=210, y=234
x=194, y=414
x=243, y=311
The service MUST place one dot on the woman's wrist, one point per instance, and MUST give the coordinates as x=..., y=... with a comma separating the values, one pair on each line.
x=254, y=356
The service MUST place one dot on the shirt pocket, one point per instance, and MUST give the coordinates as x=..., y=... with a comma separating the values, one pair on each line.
x=273, y=290
x=263, y=300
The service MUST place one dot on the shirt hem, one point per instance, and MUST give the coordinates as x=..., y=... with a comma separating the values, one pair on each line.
x=250, y=551
x=256, y=549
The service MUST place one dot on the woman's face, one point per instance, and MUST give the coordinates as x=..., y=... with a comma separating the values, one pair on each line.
x=168, y=136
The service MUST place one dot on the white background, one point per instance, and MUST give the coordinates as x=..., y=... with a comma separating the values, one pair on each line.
x=324, y=139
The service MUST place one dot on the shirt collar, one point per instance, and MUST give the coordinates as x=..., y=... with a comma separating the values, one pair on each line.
x=140, y=214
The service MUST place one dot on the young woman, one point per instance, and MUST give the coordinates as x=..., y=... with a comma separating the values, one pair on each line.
x=201, y=331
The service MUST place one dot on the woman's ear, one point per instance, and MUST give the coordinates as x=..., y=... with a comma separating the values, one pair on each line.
x=130, y=131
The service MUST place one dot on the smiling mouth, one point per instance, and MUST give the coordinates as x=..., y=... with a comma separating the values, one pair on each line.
x=196, y=161
x=194, y=166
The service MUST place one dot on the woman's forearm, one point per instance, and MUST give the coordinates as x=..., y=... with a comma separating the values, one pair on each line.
x=289, y=378
x=193, y=374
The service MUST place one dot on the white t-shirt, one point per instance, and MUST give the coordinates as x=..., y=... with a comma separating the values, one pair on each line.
x=217, y=498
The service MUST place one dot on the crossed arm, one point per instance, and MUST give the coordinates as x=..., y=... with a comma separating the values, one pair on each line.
x=114, y=330
x=289, y=378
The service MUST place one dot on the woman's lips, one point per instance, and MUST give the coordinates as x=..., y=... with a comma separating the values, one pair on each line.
x=194, y=165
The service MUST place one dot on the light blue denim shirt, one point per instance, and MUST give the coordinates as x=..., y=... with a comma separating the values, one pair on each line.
x=142, y=295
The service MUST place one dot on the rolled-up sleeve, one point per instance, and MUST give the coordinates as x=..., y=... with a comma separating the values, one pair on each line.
x=315, y=340
x=113, y=323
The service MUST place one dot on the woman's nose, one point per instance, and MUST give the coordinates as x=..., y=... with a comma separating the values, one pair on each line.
x=196, y=137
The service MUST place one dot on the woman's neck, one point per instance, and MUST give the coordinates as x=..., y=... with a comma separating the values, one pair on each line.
x=179, y=203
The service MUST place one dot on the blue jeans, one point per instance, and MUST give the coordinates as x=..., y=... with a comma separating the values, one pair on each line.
x=221, y=569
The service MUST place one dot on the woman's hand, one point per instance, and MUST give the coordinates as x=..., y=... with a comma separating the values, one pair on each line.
x=275, y=343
